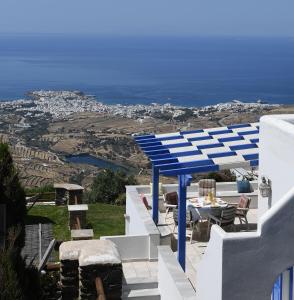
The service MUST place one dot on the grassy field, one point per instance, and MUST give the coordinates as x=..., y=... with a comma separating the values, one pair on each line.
x=105, y=219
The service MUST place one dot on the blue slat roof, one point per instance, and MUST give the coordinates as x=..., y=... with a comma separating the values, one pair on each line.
x=202, y=150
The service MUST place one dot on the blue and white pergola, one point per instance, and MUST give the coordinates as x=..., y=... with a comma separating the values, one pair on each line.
x=197, y=151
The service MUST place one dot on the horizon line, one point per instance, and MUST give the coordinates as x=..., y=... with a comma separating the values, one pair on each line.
x=100, y=35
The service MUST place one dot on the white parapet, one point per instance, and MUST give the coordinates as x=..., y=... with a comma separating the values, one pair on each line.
x=276, y=156
x=245, y=265
x=142, y=236
x=131, y=247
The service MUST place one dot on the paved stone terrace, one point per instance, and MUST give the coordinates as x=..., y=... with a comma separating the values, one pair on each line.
x=140, y=269
x=196, y=249
x=194, y=252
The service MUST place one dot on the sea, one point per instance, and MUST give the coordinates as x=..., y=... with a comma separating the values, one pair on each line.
x=188, y=71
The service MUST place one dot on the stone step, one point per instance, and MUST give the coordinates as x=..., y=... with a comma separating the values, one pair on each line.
x=141, y=294
x=137, y=283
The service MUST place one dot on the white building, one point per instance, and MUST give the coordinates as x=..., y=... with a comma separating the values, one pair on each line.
x=233, y=265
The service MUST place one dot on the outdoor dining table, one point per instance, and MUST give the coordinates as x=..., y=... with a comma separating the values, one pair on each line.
x=200, y=208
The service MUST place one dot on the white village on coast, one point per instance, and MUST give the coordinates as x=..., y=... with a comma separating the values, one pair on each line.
x=60, y=104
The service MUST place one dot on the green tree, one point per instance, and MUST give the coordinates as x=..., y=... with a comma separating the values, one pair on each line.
x=9, y=284
x=12, y=195
x=17, y=281
x=109, y=186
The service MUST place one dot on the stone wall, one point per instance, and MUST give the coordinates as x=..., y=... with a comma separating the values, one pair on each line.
x=82, y=262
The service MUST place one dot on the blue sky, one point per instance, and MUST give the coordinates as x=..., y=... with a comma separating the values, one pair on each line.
x=149, y=17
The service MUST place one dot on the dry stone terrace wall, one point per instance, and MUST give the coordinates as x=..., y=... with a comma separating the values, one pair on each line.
x=34, y=181
x=37, y=167
x=26, y=152
x=36, y=174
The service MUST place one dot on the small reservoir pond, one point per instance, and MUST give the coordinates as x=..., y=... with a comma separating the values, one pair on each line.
x=94, y=161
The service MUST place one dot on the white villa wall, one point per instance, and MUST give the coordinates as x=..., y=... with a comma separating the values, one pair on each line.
x=210, y=268
x=142, y=236
x=245, y=265
x=276, y=156
x=250, y=261
x=138, y=218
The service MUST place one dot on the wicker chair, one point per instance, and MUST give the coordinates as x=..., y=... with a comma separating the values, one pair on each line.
x=189, y=221
x=242, y=210
x=222, y=217
x=170, y=201
x=205, y=186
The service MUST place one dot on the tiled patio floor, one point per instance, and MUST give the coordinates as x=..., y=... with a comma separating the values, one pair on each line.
x=140, y=269
x=194, y=253
x=196, y=249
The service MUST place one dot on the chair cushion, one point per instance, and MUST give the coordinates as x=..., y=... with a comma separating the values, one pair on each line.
x=243, y=186
x=243, y=202
x=145, y=202
x=205, y=186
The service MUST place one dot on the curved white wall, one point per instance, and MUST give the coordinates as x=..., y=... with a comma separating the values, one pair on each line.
x=276, y=156
x=245, y=265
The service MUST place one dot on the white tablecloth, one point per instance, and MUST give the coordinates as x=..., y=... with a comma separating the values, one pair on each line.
x=200, y=211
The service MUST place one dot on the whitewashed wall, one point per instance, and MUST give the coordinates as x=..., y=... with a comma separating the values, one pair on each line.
x=209, y=272
x=138, y=218
x=276, y=156
x=250, y=261
x=141, y=234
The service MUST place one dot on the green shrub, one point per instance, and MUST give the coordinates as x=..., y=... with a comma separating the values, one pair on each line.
x=10, y=288
x=222, y=176
x=121, y=199
x=39, y=190
x=109, y=187
x=17, y=281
